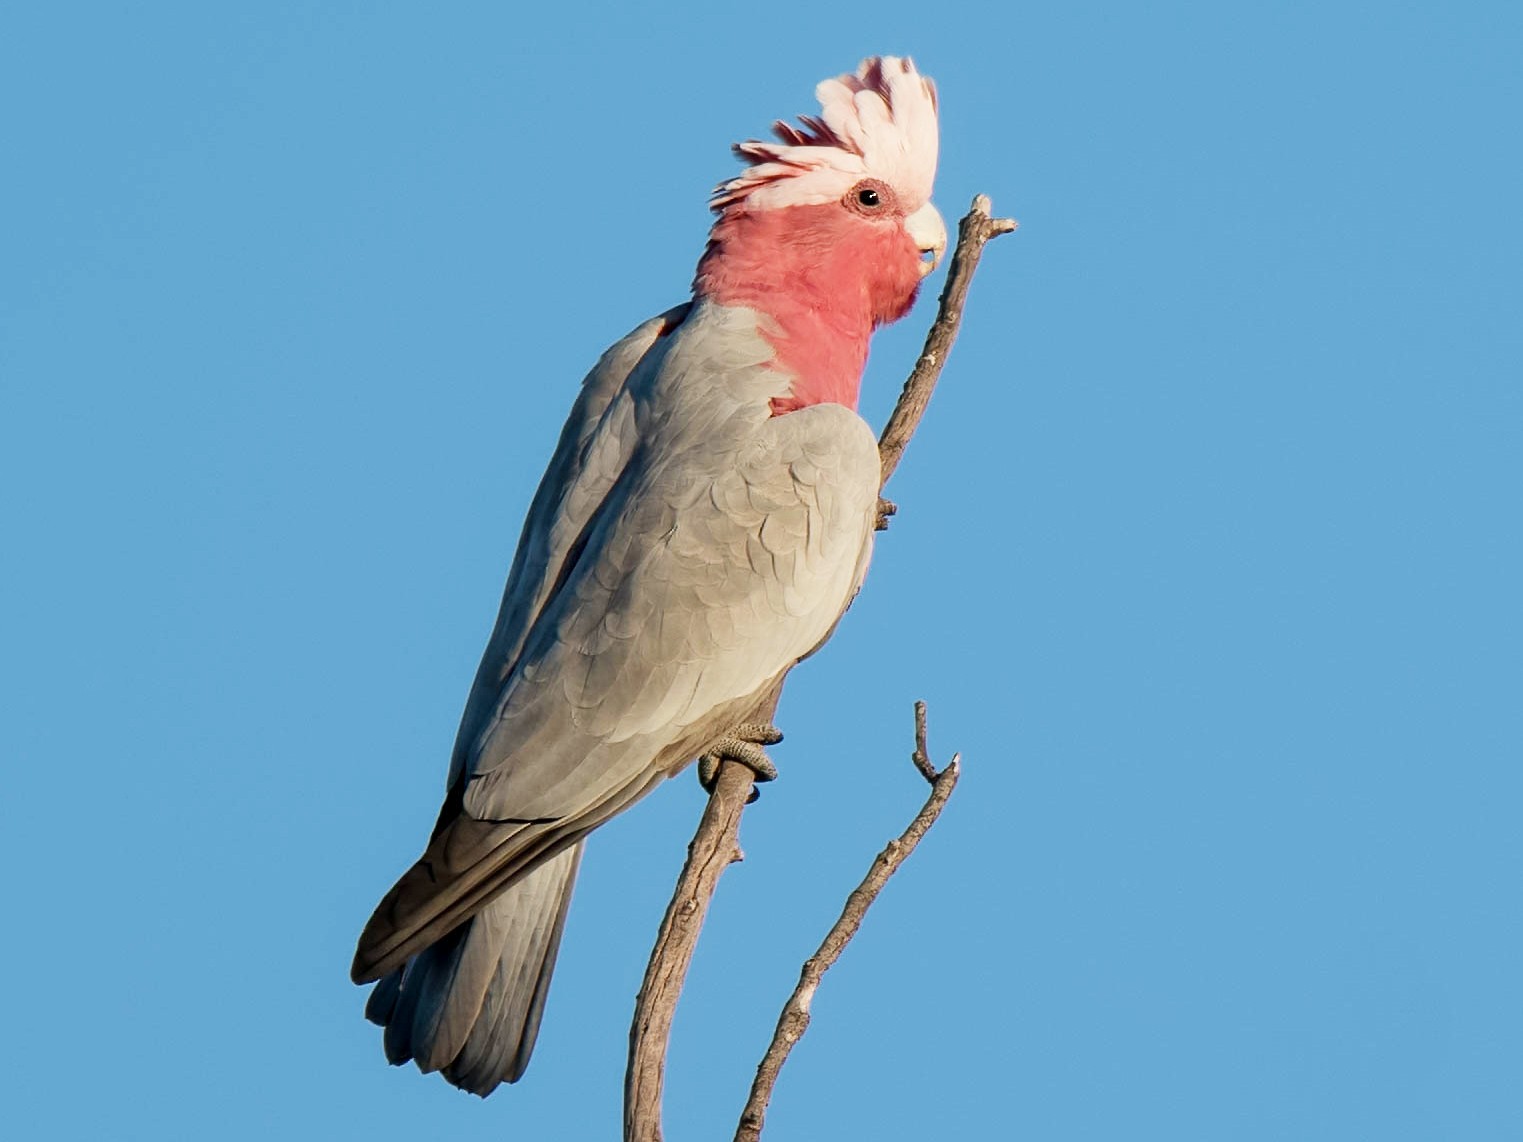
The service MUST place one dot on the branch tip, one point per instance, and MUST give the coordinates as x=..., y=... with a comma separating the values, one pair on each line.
x=974, y=230
x=922, y=755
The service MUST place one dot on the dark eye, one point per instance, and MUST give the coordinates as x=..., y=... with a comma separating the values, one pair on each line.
x=869, y=197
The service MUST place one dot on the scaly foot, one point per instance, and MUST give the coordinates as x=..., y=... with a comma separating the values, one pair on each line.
x=742, y=744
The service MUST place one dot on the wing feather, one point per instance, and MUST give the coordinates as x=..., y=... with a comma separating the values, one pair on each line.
x=686, y=608
x=724, y=550
x=592, y=451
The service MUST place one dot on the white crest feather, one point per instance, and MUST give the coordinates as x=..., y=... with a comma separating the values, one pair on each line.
x=877, y=123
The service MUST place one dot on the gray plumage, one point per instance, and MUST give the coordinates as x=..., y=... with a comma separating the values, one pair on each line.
x=685, y=548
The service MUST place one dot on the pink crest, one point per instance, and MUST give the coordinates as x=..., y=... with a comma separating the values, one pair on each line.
x=879, y=123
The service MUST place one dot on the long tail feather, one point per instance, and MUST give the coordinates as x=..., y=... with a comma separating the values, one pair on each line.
x=469, y=1005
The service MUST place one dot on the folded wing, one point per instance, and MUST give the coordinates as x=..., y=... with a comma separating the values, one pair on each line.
x=720, y=554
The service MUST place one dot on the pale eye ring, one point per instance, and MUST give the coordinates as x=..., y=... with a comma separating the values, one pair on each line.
x=870, y=197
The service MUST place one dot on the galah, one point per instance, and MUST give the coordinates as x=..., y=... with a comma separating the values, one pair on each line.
x=705, y=520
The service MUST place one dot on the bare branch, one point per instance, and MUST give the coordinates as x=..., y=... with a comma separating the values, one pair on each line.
x=794, y=1020
x=715, y=846
x=973, y=232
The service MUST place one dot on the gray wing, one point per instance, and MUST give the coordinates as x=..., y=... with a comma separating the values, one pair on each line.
x=593, y=448
x=704, y=586
x=722, y=554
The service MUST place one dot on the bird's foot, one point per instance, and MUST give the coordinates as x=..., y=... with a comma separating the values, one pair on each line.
x=742, y=744
x=886, y=508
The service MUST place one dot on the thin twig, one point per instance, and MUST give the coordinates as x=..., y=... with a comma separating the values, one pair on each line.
x=973, y=232
x=794, y=1020
x=921, y=757
x=714, y=845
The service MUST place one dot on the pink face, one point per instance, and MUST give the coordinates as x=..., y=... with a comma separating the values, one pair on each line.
x=827, y=232
x=872, y=225
x=826, y=275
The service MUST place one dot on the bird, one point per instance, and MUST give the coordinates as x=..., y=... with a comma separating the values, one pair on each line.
x=705, y=520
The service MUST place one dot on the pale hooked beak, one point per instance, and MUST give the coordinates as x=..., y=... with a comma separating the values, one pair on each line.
x=929, y=234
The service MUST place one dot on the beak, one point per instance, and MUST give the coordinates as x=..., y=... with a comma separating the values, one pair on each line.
x=929, y=233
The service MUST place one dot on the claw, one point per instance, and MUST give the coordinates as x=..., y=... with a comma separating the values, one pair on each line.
x=886, y=508
x=742, y=744
x=762, y=733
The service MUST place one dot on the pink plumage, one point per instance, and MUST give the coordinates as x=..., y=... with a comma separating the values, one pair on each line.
x=793, y=242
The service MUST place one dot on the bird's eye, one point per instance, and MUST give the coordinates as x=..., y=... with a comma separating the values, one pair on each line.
x=870, y=197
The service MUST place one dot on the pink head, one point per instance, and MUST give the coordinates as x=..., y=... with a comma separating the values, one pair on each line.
x=830, y=230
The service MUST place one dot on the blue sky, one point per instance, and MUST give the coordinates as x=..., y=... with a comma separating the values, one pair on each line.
x=1207, y=561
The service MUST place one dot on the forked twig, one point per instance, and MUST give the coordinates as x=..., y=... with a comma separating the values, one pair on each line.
x=794, y=1020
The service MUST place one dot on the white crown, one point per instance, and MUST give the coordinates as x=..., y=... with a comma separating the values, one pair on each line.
x=879, y=123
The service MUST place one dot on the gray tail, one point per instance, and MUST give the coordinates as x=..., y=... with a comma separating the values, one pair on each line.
x=470, y=1005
